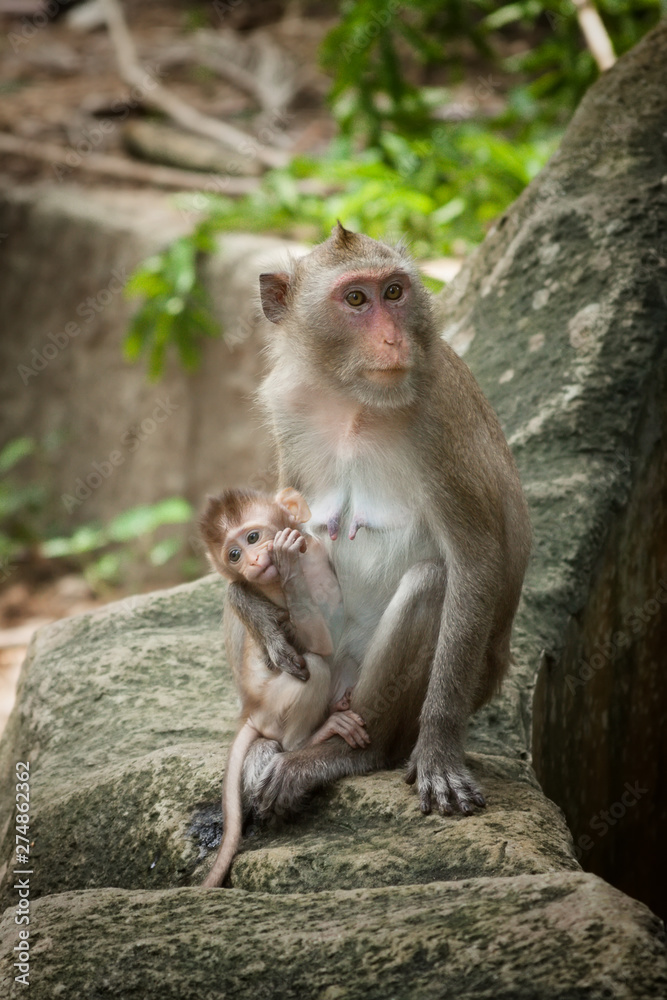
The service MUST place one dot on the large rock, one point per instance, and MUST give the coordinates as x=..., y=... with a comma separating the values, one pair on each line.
x=125, y=714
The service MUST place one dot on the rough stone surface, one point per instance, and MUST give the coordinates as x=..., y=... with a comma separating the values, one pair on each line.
x=125, y=714
x=521, y=938
x=127, y=755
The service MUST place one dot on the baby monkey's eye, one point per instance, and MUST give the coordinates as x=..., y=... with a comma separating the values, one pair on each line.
x=234, y=555
x=394, y=291
x=253, y=536
x=355, y=298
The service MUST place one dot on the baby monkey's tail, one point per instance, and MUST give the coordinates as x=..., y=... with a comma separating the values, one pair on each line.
x=232, y=809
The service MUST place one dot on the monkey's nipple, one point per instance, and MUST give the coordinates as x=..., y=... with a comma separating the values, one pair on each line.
x=333, y=524
x=358, y=521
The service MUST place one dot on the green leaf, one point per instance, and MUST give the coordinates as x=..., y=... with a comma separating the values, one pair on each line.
x=143, y=519
x=14, y=451
x=164, y=551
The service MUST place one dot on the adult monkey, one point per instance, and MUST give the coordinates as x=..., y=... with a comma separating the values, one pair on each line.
x=383, y=429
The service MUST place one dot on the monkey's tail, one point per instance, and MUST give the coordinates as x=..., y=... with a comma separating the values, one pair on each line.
x=232, y=808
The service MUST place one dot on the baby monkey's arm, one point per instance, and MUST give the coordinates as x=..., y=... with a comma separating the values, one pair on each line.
x=307, y=619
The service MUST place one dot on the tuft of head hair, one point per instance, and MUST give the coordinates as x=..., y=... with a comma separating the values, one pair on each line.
x=342, y=238
x=224, y=512
x=345, y=248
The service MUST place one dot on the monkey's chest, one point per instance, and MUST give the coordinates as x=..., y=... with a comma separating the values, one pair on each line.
x=373, y=534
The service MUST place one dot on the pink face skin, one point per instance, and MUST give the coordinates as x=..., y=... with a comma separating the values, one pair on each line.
x=373, y=306
x=248, y=549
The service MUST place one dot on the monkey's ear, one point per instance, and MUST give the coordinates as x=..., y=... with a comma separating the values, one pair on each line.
x=292, y=501
x=274, y=289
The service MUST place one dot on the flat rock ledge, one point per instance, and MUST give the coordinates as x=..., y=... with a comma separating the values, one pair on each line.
x=522, y=937
x=125, y=714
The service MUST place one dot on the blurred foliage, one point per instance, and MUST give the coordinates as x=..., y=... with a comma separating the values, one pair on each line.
x=175, y=307
x=376, y=40
x=102, y=552
x=442, y=191
x=407, y=162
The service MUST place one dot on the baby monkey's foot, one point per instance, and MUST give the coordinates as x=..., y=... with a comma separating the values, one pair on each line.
x=347, y=724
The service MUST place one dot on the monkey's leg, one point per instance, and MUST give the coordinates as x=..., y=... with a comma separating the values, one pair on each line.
x=388, y=696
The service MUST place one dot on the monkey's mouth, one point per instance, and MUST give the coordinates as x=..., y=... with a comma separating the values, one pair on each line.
x=265, y=575
x=386, y=376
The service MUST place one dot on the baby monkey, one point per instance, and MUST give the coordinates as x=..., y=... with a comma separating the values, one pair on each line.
x=258, y=542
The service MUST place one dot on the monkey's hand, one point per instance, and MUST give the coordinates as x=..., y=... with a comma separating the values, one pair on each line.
x=287, y=547
x=443, y=782
x=347, y=724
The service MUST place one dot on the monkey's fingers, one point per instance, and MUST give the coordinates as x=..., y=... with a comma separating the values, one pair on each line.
x=295, y=542
x=287, y=659
x=344, y=724
x=355, y=729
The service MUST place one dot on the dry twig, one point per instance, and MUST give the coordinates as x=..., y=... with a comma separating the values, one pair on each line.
x=595, y=33
x=116, y=166
x=162, y=99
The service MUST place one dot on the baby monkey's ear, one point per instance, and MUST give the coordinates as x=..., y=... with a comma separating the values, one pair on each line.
x=292, y=502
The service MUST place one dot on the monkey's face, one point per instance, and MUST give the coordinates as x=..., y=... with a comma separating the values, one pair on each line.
x=356, y=312
x=246, y=550
x=369, y=348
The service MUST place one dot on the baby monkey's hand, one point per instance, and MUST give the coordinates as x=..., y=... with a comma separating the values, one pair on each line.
x=287, y=546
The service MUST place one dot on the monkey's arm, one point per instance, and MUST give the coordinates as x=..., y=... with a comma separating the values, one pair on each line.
x=456, y=678
x=307, y=619
x=269, y=625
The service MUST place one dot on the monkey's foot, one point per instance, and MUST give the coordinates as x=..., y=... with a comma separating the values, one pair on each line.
x=280, y=790
x=291, y=777
x=445, y=788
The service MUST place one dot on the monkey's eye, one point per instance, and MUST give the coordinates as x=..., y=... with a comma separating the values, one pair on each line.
x=355, y=298
x=234, y=555
x=252, y=537
x=394, y=291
